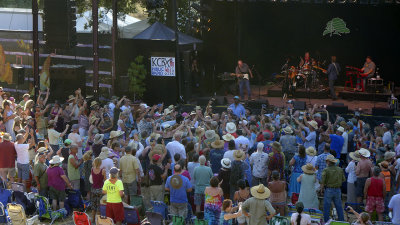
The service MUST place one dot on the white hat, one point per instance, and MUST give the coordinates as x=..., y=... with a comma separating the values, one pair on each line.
x=228, y=137
x=230, y=128
x=340, y=129
x=226, y=163
x=364, y=152
x=56, y=159
x=314, y=124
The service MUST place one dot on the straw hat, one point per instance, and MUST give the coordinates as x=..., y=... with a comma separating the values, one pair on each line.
x=239, y=155
x=313, y=124
x=230, y=128
x=71, y=98
x=154, y=136
x=167, y=111
x=384, y=165
x=93, y=119
x=260, y=192
x=115, y=134
x=389, y=155
x=104, y=153
x=288, y=130
x=6, y=137
x=276, y=145
x=308, y=168
x=364, y=153
x=192, y=113
x=218, y=144
x=228, y=137
x=56, y=159
x=42, y=150
x=226, y=163
x=355, y=155
x=311, y=151
x=343, y=124
x=98, y=139
x=176, y=181
x=210, y=134
x=331, y=158
x=92, y=104
x=200, y=131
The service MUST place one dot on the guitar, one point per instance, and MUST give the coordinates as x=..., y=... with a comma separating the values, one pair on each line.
x=240, y=75
x=319, y=68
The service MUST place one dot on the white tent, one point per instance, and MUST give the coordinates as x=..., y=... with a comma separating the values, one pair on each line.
x=18, y=19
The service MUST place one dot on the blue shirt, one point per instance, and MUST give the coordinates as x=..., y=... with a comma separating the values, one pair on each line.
x=321, y=164
x=336, y=143
x=238, y=110
x=178, y=195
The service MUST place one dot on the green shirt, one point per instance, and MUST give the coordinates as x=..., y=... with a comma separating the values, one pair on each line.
x=332, y=177
x=73, y=173
x=113, y=190
x=39, y=170
x=258, y=209
x=202, y=176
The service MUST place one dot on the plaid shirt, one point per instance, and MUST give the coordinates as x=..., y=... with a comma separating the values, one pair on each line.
x=321, y=163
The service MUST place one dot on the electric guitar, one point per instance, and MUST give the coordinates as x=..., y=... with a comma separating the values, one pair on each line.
x=319, y=68
x=240, y=75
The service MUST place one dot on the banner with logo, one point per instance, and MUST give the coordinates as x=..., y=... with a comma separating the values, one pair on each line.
x=163, y=66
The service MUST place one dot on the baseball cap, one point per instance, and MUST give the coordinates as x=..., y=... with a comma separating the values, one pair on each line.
x=114, y=170
x=156, y=157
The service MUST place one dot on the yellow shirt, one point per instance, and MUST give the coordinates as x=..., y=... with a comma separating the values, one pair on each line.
x=113, y=191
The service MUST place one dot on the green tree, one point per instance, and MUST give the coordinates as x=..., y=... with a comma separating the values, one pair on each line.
x=137, y=75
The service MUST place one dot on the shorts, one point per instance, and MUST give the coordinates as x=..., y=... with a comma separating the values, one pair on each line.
x=95, y=197
x=56, y=194
x=8, y=171
x=130, y=188
x=23, y=171
x=198, y=198
x=115, y=211
x=375, y=203
x=76, y=184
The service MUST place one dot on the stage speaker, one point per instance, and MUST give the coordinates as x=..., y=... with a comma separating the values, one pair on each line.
x=299, y=105
x=257, y=104
x=336, y=109
x=18, y=75
x=337, y=104
x=65, y=79
x=377, y=111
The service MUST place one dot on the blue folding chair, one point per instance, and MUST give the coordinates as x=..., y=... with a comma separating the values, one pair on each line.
x=155, y=218
x=161, y=208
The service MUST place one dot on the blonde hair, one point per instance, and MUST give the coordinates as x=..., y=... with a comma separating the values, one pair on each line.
x=87, y=156
x=97, y=162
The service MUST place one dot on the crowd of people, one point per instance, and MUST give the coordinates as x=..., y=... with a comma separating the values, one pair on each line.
x=229, y=166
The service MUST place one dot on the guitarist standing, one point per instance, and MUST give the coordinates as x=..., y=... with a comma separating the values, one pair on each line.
x=333, y=72
x=242, y=72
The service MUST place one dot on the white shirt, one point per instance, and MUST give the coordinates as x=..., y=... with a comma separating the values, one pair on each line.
x=191, y=166
x=242, y=142
x=22, y=153
x=176, y=147
x=229, y=154
x=351, y=170
x=387, y=138
x=346, y=139
x=395, y=205
x=305, y=219
x=259, y=160
x=111, y=111
x=107, y=164
x=312, y=160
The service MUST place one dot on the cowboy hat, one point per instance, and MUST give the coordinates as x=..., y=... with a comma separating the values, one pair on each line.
x=230, y=128
x=364, y=153
x=260, y=192
x=200, y=131
x=6, y=137
x=331, y=158
x=311, y=151
x=198, y=108
x=389, y=155
x=98, y=139
x=93, y=119
x=116, y=133
x=167, y=111
x=288, y=130
x=92, y=104
x=42, y=150
x=70, y=98
x=239, y=155
x=308, y=168
x=313, y=124
x=228, y=137
x=340, y=129
x=276, y=145
x=56, y=159
x=355, y=155
x=217, y=144
x=154, y=136
x=226, y=163
x=343, y=124
x=210, y=134
x=103, y=155
x=384, y=164
x=193, y=113
x=176, y=181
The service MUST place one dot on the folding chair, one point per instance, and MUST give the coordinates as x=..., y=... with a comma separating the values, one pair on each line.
x=161, y=208
x=279, y=220
x=155, y=218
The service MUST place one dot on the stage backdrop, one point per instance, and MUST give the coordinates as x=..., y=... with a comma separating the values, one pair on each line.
x=264, y=33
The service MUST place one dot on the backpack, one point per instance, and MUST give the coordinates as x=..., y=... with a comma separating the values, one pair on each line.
x=43, y=206
x=131, y=216
x=74, y=200
x=16, y=214
x=81, y=218
x=5, y=196
x=387, y=179
x=237, y=173
x=3, y=216
x=21, y=198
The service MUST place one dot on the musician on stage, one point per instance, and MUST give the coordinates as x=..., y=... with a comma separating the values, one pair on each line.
x=242, y=69
x=307, y=61
x=333, y=72
x=368, y=71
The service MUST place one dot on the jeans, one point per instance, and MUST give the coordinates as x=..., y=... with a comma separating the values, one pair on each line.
x=332, y=88
x=335, y=195
x=246, y=83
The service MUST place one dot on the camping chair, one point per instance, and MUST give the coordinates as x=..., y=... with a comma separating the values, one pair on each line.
x=161, y=208
x=155, y=218
x=80, y=218
x=279, y=220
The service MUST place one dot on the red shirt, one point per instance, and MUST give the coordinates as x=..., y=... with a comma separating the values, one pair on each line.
x=8, y=154
x=375, y=189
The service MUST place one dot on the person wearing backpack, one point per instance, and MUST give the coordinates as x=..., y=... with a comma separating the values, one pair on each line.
x=114, y=189
x=237, y=171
